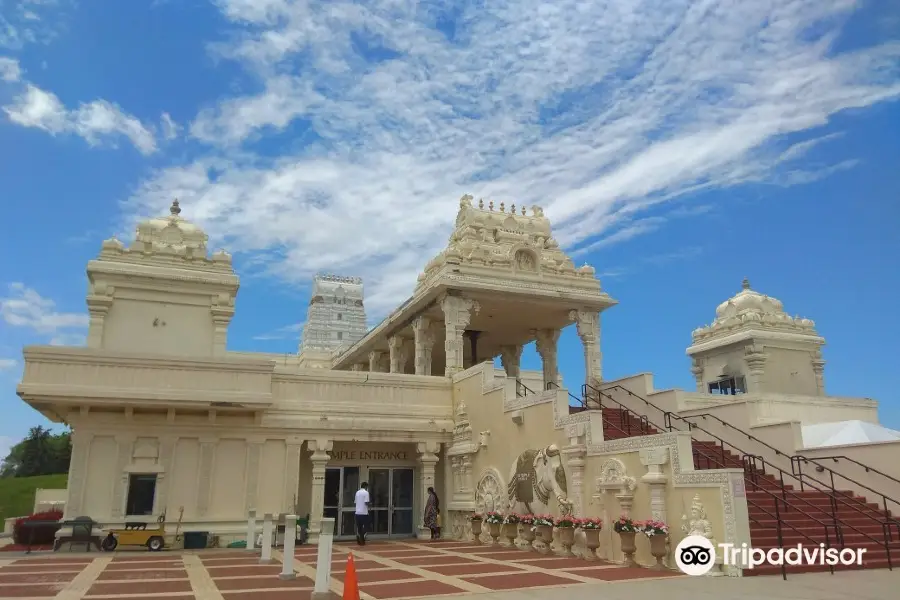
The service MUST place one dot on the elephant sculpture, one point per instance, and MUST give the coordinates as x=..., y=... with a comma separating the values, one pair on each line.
x=536, y=474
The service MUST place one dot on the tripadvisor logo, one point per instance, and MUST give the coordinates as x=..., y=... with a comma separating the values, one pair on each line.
x=696, y=555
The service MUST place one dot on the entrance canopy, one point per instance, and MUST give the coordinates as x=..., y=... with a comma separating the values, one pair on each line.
x=845, y=433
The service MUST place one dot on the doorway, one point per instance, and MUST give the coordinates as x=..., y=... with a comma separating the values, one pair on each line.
x=391, y=492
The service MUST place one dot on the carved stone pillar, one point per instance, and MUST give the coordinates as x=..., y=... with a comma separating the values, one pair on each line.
x=376, y=361
x=293, y=455
x=254, y=452
x=424, y=342
x=547, y=340
x=204, y=482
x=465, y=468
x=222, y=311
x=697, y=370
x=654, y=459
x=398, y=354
x=319, y=449
x=125, y=444
x=511, y=357
x=587, y=323
x=457, y=315
x=99, y=301
x=78, y=467
x=818, y=365
x=755, y=357
x=575, y=454
x=427, y=460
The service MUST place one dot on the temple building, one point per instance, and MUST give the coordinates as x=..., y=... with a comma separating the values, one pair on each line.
x=166, y=419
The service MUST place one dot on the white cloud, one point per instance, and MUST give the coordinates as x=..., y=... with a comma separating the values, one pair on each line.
x=595, y=111
x=170, y=129
x=6, y=444
x=292, y=331
x=9, y=69
x=95, y=121
x=24, y=307
x=8, y=364
x=22, y=22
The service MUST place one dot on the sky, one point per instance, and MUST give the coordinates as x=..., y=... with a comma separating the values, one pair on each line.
x=677, y=146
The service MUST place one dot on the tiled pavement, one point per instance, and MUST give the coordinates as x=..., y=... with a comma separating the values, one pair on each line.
x=387, y=570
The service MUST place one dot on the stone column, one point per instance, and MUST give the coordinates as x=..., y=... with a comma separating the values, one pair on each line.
x=99, y=301
x=818, y=365
x=654, y=459
x=319, y=449
x=376, y=360
x=547, y=340
x=78, y=468
x=254, y=451
x=511, y=357
x=424, y=341
x=575, y=454
x=587, y=323
x=358, y=367
x=293, y=454
x=167, y=460
x=427, y=460
x=125, y=444
x=697, y=371
x=755, y=357
x=457, y=315
x=204, y=482
x=465, y=468
x=222, y=311
x=398, y=353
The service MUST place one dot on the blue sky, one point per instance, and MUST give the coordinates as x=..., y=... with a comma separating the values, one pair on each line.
x=677, y=146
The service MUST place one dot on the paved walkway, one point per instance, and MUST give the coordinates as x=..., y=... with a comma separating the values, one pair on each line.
x=394, y=570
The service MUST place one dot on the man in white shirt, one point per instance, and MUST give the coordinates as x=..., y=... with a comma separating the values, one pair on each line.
x=362, y=513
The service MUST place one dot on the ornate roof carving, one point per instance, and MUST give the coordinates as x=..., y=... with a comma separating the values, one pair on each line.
x=168, y=241
x=748, y=309
x=510, y=241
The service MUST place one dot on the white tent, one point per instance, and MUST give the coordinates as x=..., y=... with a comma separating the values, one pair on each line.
x=844, y=433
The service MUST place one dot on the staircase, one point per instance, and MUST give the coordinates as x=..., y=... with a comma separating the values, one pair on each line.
x=811, y=516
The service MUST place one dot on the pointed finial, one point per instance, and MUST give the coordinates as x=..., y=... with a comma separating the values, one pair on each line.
x=523, y=211
x=481, y=203
x=176, y=209
x=502, y=207
x=512, y=209
x=491, y=205
x=745, y=284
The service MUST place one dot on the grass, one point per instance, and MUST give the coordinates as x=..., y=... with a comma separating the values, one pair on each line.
x=17, y=493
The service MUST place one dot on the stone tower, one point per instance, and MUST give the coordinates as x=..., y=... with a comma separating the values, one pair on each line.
x=336, y=317
x=754, y=346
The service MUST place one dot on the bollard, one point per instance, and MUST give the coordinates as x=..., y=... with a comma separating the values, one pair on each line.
x=251, y=529
x=323, y=561
x=290, y=536
x=266, y=556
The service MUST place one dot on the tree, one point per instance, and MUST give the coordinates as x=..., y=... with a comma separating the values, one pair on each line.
x=41, y=453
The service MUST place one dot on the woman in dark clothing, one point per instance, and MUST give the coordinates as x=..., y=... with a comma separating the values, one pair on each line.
x=432, y=508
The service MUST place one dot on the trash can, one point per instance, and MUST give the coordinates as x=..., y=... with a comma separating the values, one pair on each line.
x=195, y=540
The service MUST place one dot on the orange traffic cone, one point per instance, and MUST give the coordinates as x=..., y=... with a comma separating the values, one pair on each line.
x=351, y=584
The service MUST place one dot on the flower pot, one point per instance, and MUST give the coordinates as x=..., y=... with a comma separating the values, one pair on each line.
x=628, y=547
x=494, y=530
x=566, y=539
x=591, y=542
x=526, y=532
x=476, y=530
x=545, y=533
x=658, y=550
x=510, y=531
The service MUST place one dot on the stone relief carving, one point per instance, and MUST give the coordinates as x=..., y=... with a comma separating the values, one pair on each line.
x=534, y=475
x=525, y=261
x=489, y=492
x=614, y=476
x=699, y=524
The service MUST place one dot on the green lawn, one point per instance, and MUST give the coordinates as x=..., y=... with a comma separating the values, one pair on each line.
x=17, y=493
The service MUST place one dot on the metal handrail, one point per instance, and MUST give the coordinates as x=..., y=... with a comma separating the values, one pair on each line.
x=522, y=390
x=760, y=464
x=795, y=459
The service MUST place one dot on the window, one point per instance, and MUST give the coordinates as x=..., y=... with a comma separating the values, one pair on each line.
x=340, y=335
x=340, y=317
x=141, y=493
x=729, y=386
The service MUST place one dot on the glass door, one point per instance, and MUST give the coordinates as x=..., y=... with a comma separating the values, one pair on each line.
x=349, y=487
x=380, y=496
x=332, y=506
x=401, y=502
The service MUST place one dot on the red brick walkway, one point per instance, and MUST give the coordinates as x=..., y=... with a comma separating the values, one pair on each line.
x=388, y=570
